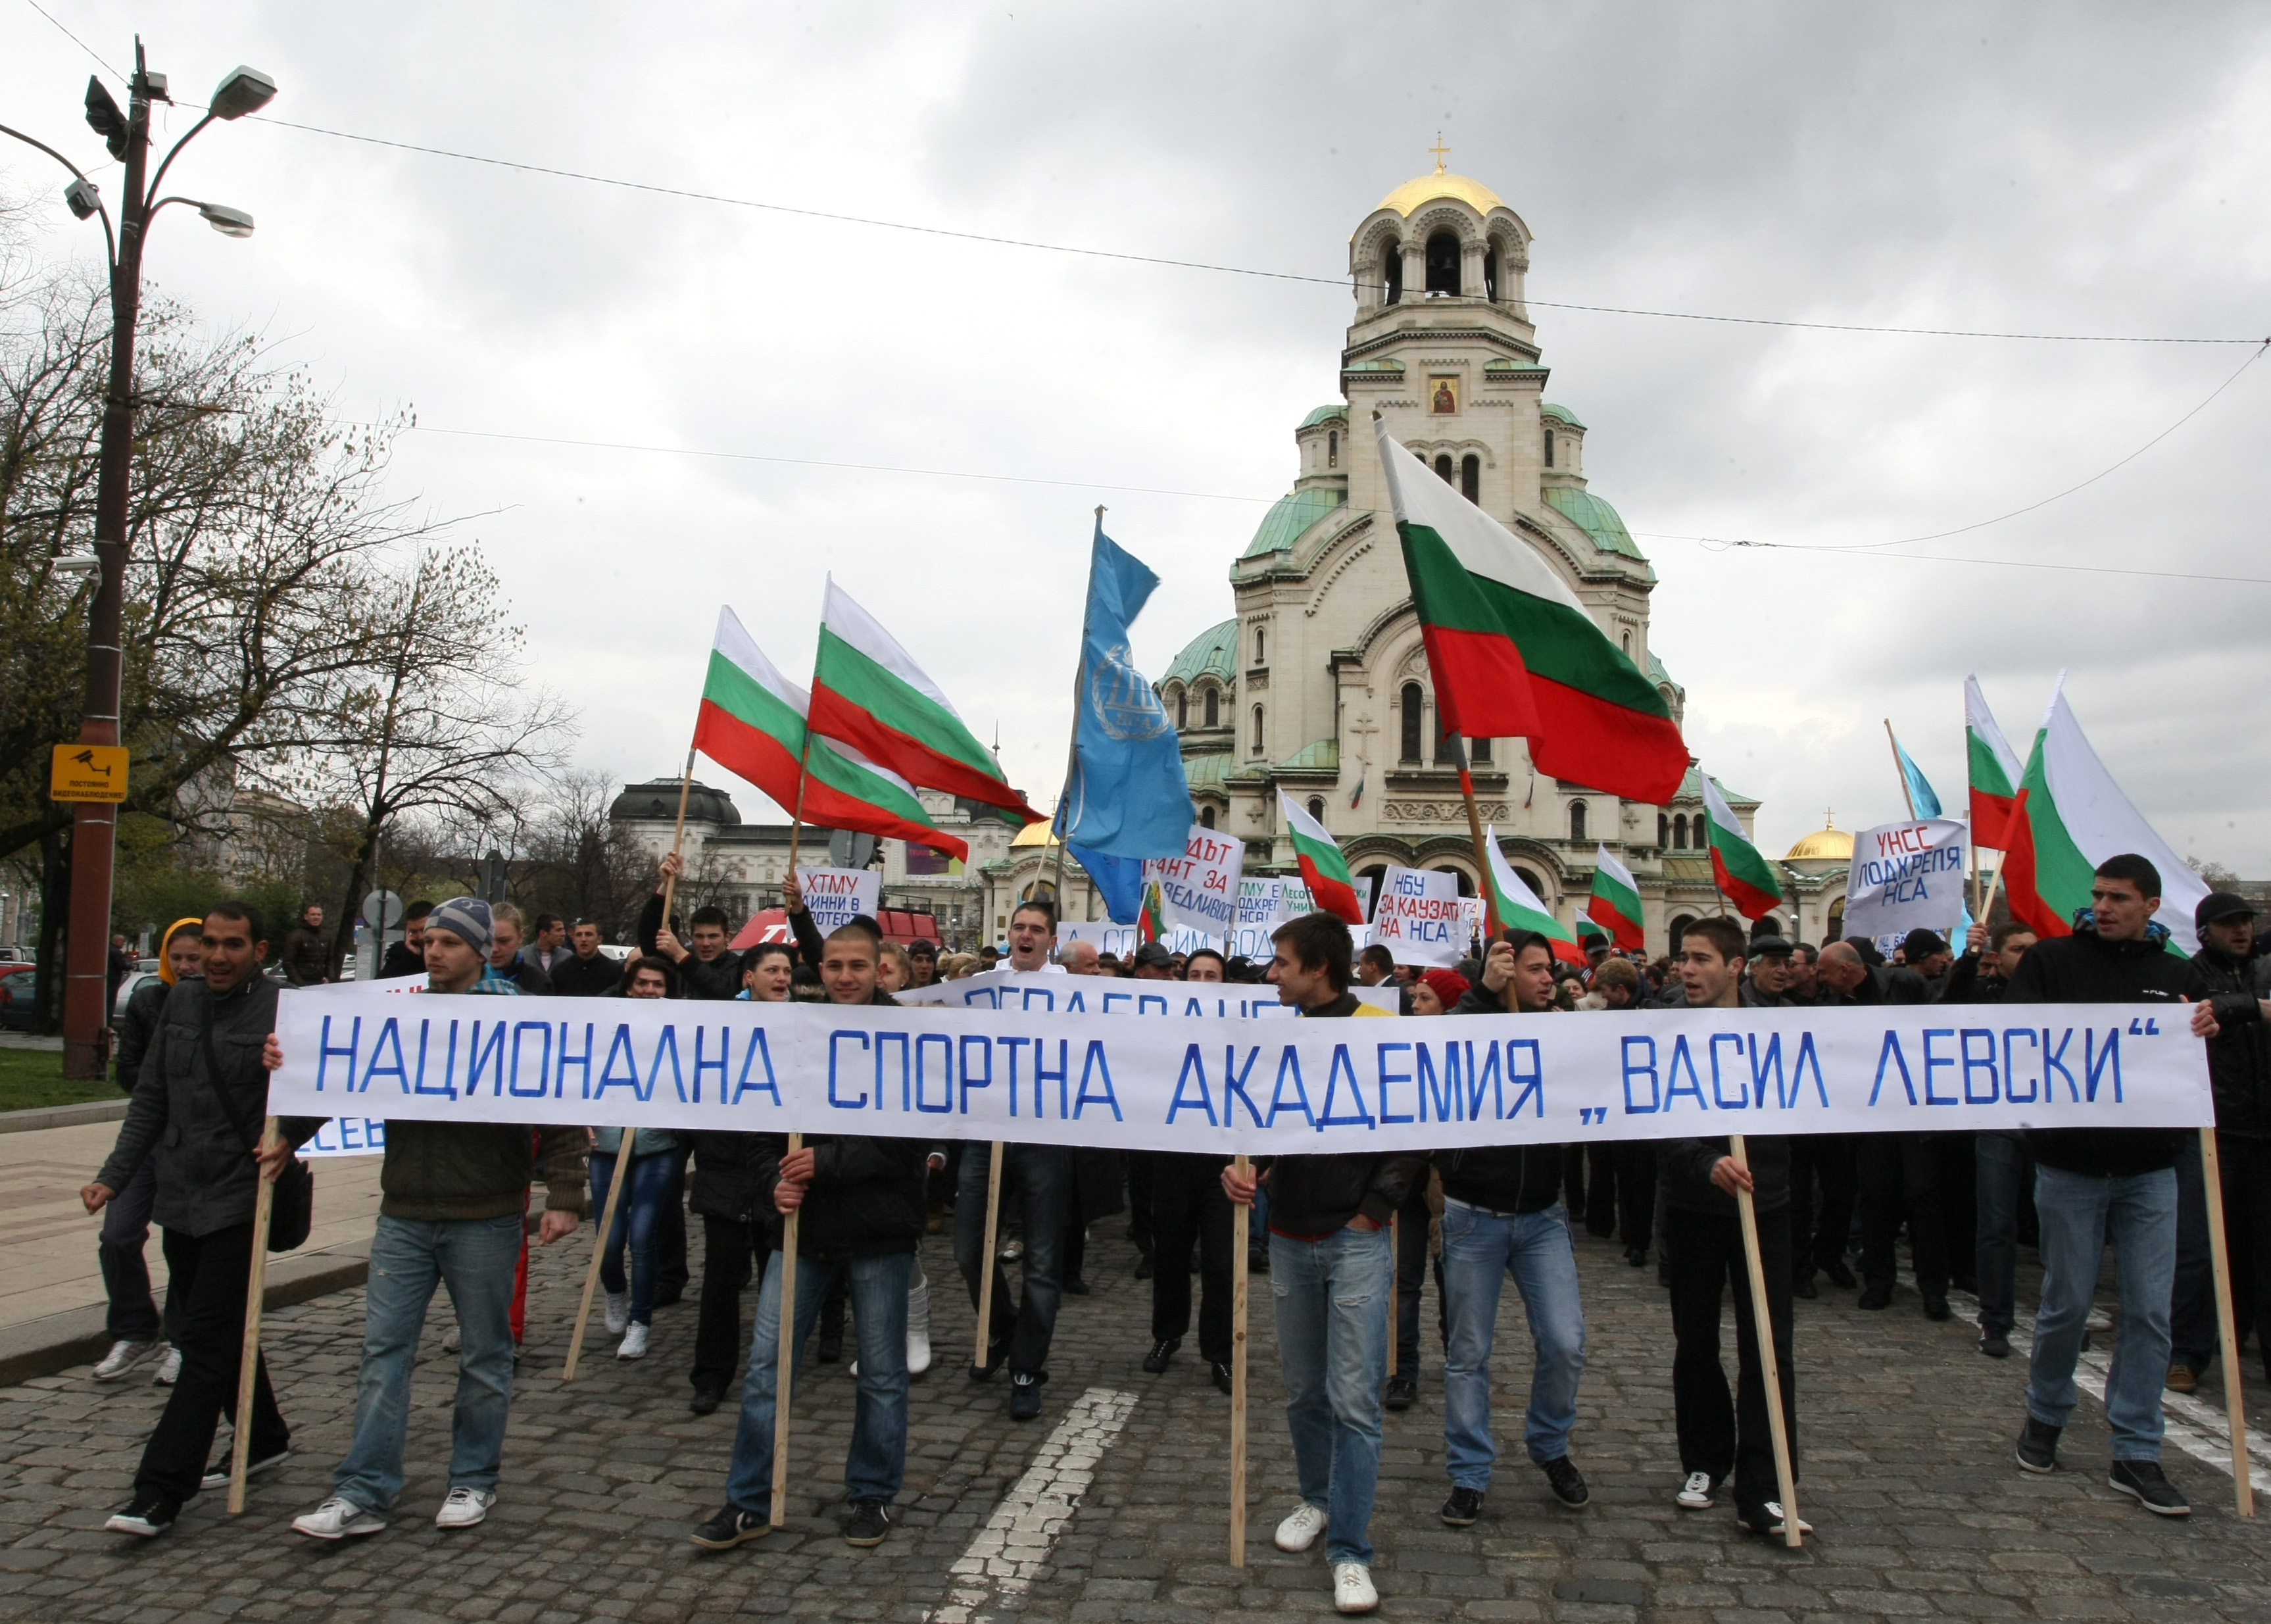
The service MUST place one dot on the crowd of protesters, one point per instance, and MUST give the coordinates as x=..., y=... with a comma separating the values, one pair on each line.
x=1341, y=1235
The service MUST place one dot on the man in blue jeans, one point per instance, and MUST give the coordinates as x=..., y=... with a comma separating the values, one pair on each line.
x=860, y=1209
x=1332, y=1274
x=451, y=1214
x=2096, y=1183
x=1502, y=1214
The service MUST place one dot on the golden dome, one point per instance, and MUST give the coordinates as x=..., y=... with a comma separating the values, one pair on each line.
x=1828, y=844
x=1407, y=198
x=1038, y=834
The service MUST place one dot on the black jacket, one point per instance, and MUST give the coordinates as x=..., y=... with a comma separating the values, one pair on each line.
x=533, y=982
x=1685, y=1167
x=1888, y=983
x=176, y=1118
x=2239, y=1059
x=865, y=1198
x=718, y=980
x=307, y=958
x=573, y=978
x=401, y=960
x=1965, y=985
x=1313, y=1196
x=725, y=1183
x=135, y=1027
x=1504, y=1178
x=2085, y=968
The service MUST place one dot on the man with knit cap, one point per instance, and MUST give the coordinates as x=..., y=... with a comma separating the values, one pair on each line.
x=453, y=1197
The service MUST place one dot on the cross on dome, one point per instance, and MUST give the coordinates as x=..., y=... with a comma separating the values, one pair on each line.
x=1442, y=153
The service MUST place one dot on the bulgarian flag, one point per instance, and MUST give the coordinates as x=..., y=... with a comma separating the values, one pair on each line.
x=753, y=725
x=1744, y=877
x=1519, y=908
x=2068, y=817
x=1614, y=905
x=867, y=691
x=1151, y=923
x=1994, y=772
x=1323, y=869
x=1514, y=652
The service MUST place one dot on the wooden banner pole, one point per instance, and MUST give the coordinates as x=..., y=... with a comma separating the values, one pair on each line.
x=986, y=1263
x=1395, y=1300
x=1769, y=1366
x=1241, y=1219
x=2235, y=1399
x=256, y=1292
x=599, y=1246
x=787, y=1368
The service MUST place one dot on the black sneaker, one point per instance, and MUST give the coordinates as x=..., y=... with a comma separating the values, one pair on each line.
x=1995, y=1343
x=1221, y=1373
x=2142, y=1481
x=732, y=1526
x=706, y=1400
x=1840, y=1275
x=1075, y=1287
x=1636, y=1256
x=994, y=1355
x=2038, y=1447
x=1155, y=1362
x=1804, y=1286
x=146, y=1518
x=871, y=1519
x=216, y=1478
x=1464, y=1508
x=1566, y=1482
x=1024, y=1404
x=1877, y=1295
x=1936, y=1308
x=831, y=1345
x=1402, y=1391
x=1257, y=1260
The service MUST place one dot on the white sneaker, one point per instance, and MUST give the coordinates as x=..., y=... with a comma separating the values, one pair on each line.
x=1299, y=1531
x=123, y=1357
x=338, y=1519
x=618, y=1312
x=1352, y=1591
x=464, y=1509
x=216, y=1478
x=169, y=1368
x=1774, y=1521
x=1696, y=1495
x=917, y=1324
x=634, y=1343
x=453, y=1339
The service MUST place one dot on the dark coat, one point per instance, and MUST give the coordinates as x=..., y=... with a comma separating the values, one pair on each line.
x=1504, y=1178
x=1965, y=985
x=1314, y=1197
x=136, y=1028
x=725, y=1183
x=1685, y=1167
x=305, y=960
x=2238, y=1059
x=574, y=977
x=524, y=974
x=718, y=980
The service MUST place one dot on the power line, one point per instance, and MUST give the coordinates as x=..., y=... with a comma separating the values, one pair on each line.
x=1165, y=261
x=75, y=40
x=1717, y=544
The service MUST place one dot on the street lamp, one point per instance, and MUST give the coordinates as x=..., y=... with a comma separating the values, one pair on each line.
x=94, y=824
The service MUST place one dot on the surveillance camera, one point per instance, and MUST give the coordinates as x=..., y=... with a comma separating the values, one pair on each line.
x=83, y=197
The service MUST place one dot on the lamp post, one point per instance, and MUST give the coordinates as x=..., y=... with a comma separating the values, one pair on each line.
x=94, y=824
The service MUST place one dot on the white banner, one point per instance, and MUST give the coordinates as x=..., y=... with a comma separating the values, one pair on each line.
x=348, y=1136
x=1418, y=919
x=1232, y=1085
x=1123, y=939
x=1050, y=993
x=835, y=895
x=1199, y=888
x=1906, y=876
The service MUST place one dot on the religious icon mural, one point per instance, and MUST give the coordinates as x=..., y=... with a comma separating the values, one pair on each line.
x=1443, y=395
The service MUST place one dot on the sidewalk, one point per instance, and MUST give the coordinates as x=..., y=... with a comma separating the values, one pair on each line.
x=52, y=1303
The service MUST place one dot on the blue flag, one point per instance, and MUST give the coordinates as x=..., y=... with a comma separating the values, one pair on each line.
x=1926, y=803
x=1127, y=799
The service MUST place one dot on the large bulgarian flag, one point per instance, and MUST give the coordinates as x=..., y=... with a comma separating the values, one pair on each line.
x=1994, y=770
x=1514, y=654
x=1519, y=908
x=869, y=692
x=1614, y=905
x=2070, y=816
x=1323, y=869
x=753, y=725
x=1743, y=876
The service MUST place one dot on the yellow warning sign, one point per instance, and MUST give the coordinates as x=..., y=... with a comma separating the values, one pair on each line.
x=88, y=773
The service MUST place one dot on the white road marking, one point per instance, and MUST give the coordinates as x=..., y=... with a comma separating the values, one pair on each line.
x=1006, y=1555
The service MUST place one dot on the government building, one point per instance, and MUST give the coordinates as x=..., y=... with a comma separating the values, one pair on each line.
x=1316, y=683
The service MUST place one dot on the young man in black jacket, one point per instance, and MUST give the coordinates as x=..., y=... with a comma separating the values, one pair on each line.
x=585, y=972
x=1700, y=1179
x=2096, y=1183
x=710, y=969
x=1331, y=1273
x=1502, y=1215
x=860, y=1202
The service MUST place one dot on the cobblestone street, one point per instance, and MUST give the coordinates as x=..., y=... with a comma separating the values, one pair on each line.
x=1906, y=1433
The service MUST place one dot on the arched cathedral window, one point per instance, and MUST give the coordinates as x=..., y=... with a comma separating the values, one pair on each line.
x=1443, y=256
x=1412, y=703
x=1471, y=478
x=1214, y=707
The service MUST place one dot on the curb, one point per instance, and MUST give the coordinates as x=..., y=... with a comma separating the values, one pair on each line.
x=61, y=1116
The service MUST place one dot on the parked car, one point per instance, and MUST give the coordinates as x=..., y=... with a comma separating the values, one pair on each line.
x=19, y=995
x=126, y=988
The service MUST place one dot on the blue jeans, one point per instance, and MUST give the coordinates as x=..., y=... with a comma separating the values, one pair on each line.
x=1479, y=1250
x=877, y=1460
x=1037, y=1180
x=2079, y=1211
x=2000, y=1157
x=637, y=1213
x=477, y=1260
x=1331, y=1298
x=125, y=1276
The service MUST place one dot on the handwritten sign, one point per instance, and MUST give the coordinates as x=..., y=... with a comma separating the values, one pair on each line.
x=836, y=895
x=1419, y=919
x=1906, y=876
x=1199, y=888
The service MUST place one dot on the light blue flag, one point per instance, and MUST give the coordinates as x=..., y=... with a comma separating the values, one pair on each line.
x=1127, y=799
x=1927, y=804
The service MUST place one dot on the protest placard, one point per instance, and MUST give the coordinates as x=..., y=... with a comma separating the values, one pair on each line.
x=1199, y=888
x=1906, y=876
x=836, y=896
x=1418, y=919
x=348, y=1136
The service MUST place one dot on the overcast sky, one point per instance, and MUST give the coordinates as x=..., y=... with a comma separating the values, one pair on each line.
x=2072, y=169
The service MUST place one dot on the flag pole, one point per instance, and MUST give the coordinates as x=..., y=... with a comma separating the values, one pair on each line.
x=987, y=1265
x=2235, y=1399
x=1072, y=745
x=786, y=1297
x=1241, y=1220
x=256, y=1297
x=1907, y=794
x=1769, y=1369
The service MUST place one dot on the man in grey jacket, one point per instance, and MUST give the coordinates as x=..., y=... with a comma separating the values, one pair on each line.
x=201, y=1076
